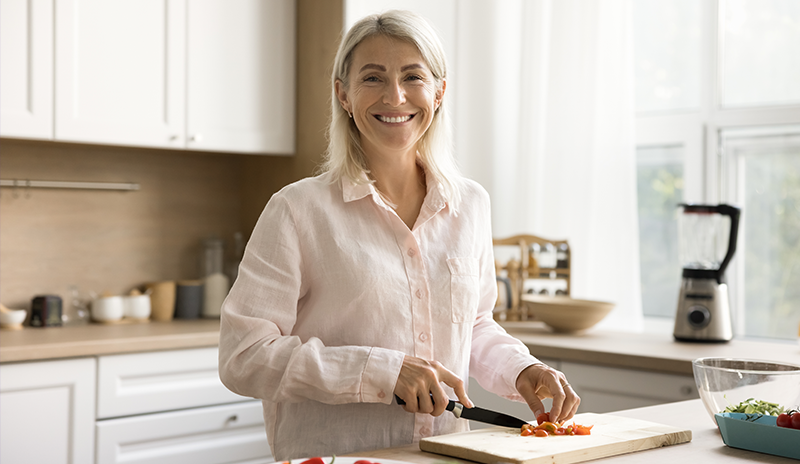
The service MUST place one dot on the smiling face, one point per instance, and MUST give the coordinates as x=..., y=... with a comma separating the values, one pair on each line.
x=392, y=95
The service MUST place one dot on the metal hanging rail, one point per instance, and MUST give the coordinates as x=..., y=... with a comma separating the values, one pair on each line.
x=55, y=184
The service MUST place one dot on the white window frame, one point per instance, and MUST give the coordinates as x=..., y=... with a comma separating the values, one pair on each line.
x=699, y=131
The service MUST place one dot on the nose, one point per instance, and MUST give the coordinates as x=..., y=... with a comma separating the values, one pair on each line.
x=395, y=94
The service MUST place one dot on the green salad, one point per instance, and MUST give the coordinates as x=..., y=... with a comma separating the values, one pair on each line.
x=752, y=406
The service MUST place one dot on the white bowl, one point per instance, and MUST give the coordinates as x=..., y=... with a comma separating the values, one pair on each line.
x=12, y=318
x=137, y=306
x=108, y=308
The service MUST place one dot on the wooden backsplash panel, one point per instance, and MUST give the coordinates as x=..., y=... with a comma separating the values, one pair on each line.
x=110, y=240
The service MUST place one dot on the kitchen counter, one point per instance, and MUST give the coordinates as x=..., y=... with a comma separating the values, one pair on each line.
x=706, y=445
x=650, y=352
x=642, y=351
x=33, y=344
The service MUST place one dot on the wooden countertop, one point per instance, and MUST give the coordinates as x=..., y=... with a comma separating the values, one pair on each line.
x=642, y=351
x=32, y=344
x=706, y=445
x=651, y=352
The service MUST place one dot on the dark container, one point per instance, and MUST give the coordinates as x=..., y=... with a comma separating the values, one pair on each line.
x=189, y=299
x=46, y=311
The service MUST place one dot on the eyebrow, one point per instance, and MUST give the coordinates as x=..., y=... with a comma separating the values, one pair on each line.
x=383, y=68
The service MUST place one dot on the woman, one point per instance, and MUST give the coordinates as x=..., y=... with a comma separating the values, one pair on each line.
x=376, y=278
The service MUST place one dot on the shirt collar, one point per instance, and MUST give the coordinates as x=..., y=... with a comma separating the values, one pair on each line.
x=434, y=198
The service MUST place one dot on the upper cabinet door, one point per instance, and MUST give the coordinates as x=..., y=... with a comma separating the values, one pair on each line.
x=241, y=76
x=26, y=68
x=120, y=72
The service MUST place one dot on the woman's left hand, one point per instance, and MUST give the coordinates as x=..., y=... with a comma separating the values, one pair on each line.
x=539, y=381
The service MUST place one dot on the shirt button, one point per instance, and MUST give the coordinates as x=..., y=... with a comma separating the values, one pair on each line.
x=425, y=431
x=423, y=336
x=411, y=252
x=419, y=294
x=381, y=394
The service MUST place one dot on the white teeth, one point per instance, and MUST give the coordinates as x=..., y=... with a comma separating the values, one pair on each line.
x=394, y=120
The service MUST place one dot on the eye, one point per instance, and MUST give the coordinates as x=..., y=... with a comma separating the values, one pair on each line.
x=414, y=77
x=371, y=79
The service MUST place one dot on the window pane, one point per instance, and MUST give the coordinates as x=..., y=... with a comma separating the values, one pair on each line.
x=760, y=43
x=660, y=190
x=769, y=189
x=668, y=54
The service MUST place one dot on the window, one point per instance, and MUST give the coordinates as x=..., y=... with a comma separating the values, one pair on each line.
x=718, y=116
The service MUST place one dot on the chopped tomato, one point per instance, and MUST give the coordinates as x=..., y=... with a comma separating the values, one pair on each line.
x=527, y=432
x=583, y=430
x=560, y=431
x=548, y=427
x=543, y=417
x=540, y=433
x=364, y=461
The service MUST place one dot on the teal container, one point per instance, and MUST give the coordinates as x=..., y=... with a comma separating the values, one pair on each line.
x=756, y=432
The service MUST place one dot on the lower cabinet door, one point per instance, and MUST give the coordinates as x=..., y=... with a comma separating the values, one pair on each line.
x=232, y=433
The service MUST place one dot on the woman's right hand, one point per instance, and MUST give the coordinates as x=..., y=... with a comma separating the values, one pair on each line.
x=420, y=380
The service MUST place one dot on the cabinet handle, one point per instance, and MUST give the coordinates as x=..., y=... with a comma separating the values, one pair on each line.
x=173, y=138
x=197, y=138
x=687, y=391
x=232, y=419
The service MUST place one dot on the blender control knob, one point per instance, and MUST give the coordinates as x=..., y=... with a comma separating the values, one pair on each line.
x=699, y=316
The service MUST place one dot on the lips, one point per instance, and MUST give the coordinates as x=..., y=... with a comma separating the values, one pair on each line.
x=394, y=119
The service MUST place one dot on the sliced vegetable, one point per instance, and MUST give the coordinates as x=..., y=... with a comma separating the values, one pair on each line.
x=544, y=417
x=753, y=406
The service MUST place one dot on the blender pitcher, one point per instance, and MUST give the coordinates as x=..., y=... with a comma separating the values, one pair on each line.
x=707, y=242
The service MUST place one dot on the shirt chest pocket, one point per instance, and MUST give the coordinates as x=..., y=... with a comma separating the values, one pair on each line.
x=464, y=288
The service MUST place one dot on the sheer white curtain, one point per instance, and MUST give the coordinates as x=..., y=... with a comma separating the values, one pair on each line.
x=544, y=120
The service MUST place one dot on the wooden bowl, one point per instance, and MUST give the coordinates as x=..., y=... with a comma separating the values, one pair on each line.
x=565, y=314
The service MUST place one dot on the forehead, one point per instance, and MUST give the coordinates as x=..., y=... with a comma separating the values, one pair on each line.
x=386, y=51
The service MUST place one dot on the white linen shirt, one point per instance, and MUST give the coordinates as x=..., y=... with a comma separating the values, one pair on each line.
x=334, y=290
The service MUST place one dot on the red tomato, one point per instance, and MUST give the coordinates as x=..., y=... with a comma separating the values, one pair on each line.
x=560, y=431
x=313, y=461
x=525, y=433
x=796, y=420
x=583, y=430
x=784, y=420
x=543, y=417
x=540, y=433
x=364, y=461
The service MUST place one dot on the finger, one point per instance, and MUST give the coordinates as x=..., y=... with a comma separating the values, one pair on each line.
x=528, y=392
x=453, y=381
x=558, y=401
x=426, y=405
x=440, y=400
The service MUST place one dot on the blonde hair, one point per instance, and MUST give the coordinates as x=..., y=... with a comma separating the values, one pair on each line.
x=345, y=156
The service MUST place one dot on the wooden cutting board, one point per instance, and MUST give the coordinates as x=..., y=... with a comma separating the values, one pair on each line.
x=611, y=436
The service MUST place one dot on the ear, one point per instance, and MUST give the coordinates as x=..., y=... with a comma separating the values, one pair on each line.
x=440, y=93
x=341, y=95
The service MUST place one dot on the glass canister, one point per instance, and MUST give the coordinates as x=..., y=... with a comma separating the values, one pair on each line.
x=215, y=282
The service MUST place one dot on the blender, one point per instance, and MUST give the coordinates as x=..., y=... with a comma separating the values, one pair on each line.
x=706, y=241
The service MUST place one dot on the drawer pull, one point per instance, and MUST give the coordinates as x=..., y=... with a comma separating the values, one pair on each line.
x=232, y=419
x=687, y=391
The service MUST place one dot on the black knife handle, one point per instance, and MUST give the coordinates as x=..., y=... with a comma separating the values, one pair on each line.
x=450, y=405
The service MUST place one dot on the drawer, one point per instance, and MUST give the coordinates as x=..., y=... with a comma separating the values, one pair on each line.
x=210, y=435
x=142, y=383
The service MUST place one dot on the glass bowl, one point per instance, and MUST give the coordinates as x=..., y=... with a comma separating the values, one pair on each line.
x=724, y=382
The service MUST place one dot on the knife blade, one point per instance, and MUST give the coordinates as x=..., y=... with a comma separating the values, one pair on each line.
x=479, y=414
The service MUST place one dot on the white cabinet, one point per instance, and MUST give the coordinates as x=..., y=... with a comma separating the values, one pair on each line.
x=606, y=389
x=240, y=76
x=120, y=72
x=209, y=75
x=47, y=412
x=141, y=383
x=26, y=68
x=170, y=406
x=218, y=434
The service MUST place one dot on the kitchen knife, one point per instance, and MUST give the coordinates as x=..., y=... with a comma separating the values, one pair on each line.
x=479, y=414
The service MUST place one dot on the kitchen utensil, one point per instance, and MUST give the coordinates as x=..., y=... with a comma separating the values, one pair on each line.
x=479, y=414
x=758, y=433
x=724, y=382
x=108, y=308
x=611, y=436
x=216, y=283
x=565, y=314
x=189, y=299
x=706, y=241
x=11, y=319
x=46, y=311
x=162, y=300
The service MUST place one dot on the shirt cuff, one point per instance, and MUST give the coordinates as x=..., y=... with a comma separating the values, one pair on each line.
x=380, y=375
x=516, y=366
